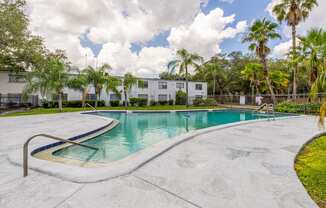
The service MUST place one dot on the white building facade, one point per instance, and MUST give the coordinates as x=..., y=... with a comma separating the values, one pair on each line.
x=12, y=86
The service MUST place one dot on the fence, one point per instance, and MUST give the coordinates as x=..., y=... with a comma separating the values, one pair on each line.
x=8, y=101
x=252, y=100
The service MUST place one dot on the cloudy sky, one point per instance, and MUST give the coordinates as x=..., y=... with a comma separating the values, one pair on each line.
x=141, y=36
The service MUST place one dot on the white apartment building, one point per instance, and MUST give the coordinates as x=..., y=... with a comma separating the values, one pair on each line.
x=12, y=85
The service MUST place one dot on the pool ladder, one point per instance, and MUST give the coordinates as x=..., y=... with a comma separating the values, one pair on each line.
x=25, y=151
x=269, y=109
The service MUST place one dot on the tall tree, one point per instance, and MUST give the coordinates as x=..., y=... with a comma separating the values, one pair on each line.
x=253, y=73
x=98, y=78
x=19, y=50
x=183, y=61
x=128, y=81
x=313, y=52
x=319, y=86
x=258, y=36
x=80, y=83
x=294, y=12
x=52, y=78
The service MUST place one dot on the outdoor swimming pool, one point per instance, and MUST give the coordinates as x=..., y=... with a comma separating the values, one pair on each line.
x=137, y=131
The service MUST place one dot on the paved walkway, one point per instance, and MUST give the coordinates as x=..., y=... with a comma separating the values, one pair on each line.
x=244, y=166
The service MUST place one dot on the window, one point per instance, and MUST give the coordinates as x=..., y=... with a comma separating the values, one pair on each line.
x=56, y=97
x=144, y=96
x=114, y=97
x=199, y=87
x=198, y=96
x=162, y=97
x=142, y=84
x=162, y=85
x=90, y=97
x=14, y=98
x=17, y=78
x=180, y=86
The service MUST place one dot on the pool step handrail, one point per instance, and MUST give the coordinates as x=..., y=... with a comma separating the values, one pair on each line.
x=92, y=107
x=25, y=149
x=261, y=107
x=267, y=108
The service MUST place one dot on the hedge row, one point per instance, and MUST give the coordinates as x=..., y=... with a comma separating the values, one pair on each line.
x=204, y=102
x=71, y=104
x=289, y=107
x=138, y=102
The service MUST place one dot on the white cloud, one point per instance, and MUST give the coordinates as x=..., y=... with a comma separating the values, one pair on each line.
x=315, y=19
x=205, y=34
x=281, y=50
x=149, y=61
x=118, y=24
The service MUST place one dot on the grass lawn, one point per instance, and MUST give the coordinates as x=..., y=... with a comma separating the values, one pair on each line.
x=311, y=169
x=38, y=111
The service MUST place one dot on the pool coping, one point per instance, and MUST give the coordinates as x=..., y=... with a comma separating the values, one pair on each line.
x=126, y=165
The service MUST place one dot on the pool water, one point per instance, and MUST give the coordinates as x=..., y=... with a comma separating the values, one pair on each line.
x=137, y=131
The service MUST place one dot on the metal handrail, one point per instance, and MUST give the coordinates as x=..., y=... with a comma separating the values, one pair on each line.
x=94, y=109
x=25, y=151
x=261, y=107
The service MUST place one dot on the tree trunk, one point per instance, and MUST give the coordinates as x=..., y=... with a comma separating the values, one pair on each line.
x=126, y=99
x=252, y=93
x=295, y=66
x=268, y=80
x=97, y=98
x=214, y=87
x=187, y=90
x=60, y=101
x=84, y=98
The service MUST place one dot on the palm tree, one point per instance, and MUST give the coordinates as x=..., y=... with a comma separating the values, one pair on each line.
x=80, y=83
x=294, y=12
x=318, y=87
x=252, y=73
x=280, y=80
x=99, y=79
x=50, y=79
x=258, y=36
x=313, y=47
x=211, y=70
x=183, y=61
x=128, y=81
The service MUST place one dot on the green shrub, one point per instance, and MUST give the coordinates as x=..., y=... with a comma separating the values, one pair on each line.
x=114, y=103
x=163, y=102
x=180, y=98
x=142, y=102
x=45, y=104
x=210, y=102
x=70, y=104
x=152, y=103
x=138, y=102
x=100, y=103
x=133, y=101
x=171, y=102
x=204, y=102
x=289, y=107
x=198, y=102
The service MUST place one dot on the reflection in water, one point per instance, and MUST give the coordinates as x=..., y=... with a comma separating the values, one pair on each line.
x=137, y=131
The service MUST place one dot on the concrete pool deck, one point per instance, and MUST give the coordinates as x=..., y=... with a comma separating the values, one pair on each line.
x=249, y=165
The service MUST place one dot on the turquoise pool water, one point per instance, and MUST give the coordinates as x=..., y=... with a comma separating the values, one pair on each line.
x=137, y=131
